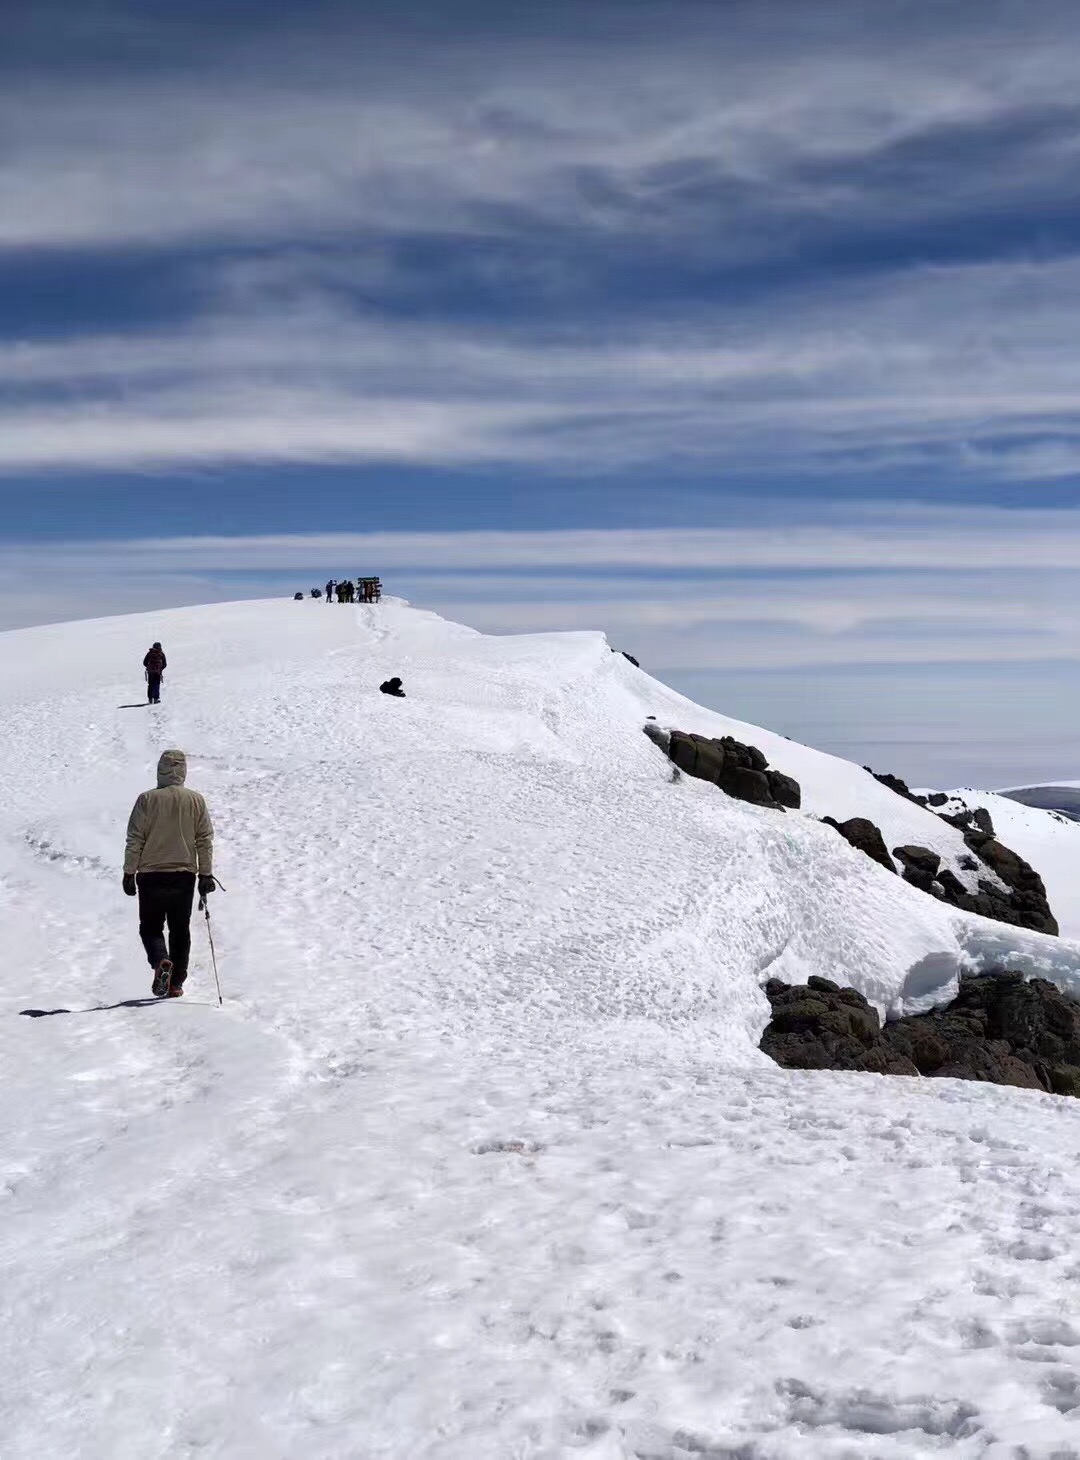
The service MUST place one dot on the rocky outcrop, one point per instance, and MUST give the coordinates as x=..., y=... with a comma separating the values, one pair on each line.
x=821, y=1026
x=894, y=783
x=786, y=791
x=742, y=771
x=1021, y=902
x=920, y=866
x=1000, y=1028
x=1014, y=894
x=864, y=836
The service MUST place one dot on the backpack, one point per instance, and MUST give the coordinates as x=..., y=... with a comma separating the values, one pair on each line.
x=155, y=661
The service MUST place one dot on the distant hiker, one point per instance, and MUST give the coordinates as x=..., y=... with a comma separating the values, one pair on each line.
x=392, y=687
x=170, y=841
x=155, y=664
x=330, y=591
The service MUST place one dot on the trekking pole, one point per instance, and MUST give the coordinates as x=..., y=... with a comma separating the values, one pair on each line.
x=204, y=908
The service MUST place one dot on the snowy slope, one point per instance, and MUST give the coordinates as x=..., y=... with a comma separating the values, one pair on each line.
x=480, y=1158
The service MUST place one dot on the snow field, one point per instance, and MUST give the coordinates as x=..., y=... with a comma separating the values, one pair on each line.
x=480, y=1159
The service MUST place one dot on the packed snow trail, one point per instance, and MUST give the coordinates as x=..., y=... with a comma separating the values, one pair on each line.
x=479, y=1159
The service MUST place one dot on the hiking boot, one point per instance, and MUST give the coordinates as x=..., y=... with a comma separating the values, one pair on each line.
x=162, y=977
x=176, y=991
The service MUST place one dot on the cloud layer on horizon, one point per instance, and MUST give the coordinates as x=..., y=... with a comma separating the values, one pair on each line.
x=878, y=585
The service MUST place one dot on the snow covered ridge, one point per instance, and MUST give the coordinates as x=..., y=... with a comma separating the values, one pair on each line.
x=550, y=723
x=481, y=1159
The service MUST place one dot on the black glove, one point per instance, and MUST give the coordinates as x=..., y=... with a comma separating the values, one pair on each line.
x=129, y=883
x=206, y=884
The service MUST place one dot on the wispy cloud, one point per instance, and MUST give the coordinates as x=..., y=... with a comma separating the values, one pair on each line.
x=345, y=127
x=813, y=537
x=602, y=193
x=968, y=370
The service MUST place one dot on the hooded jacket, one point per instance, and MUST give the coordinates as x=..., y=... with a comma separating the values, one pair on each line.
x=169, y=829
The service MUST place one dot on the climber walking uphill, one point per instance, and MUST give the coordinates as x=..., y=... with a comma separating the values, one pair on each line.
x=155, y=664
x=170, y=842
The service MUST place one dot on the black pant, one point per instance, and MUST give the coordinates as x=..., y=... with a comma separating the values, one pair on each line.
x=153, y=688
x=166, y=897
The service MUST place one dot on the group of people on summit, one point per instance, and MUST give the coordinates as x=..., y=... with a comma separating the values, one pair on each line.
x=364, y=590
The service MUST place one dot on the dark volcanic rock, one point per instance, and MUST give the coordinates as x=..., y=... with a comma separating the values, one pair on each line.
x=1000, y=1028
x=739, y=770
x=894, y=783
x=823, y=1027
x=746, y=785
x=952, y=887
x=921, y=858
x=1025, y=904
x=786, y=791
x=697, y=756
x=864, y=836
x=920, y=867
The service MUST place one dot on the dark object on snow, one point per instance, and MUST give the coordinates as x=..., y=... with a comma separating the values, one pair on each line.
x=786, y=791
x=316, y=593
x=1000, y=1028
x=951, y=887
x=155, y=665
x=746, y=784
x=920, y=866
x=633, y=661
x=298, y=598
x=894, y=783
x=392, y=687
x=742, y=771
x=939, y=798
x=864, y=836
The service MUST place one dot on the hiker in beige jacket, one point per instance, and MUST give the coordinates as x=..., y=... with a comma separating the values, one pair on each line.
x=170, y=843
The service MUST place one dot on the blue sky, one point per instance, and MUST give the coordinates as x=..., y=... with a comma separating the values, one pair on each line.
x=747, y=331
